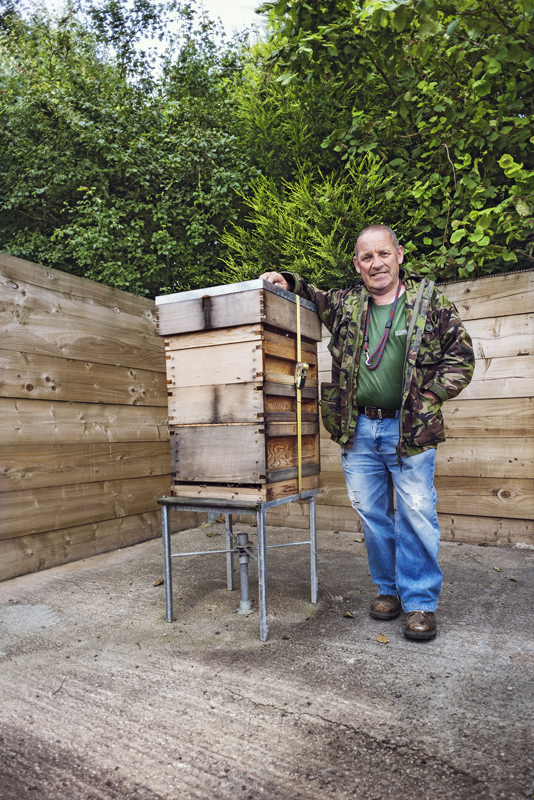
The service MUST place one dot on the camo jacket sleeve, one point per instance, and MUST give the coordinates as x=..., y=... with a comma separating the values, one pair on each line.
x=440, y=359
x=446, y=352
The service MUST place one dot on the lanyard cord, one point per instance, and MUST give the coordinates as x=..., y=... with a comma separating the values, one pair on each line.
x=383, y=341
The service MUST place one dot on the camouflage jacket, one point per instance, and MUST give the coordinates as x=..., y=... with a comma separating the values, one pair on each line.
x=439, y=358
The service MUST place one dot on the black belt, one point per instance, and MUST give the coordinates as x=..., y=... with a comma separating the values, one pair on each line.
x=378, y=413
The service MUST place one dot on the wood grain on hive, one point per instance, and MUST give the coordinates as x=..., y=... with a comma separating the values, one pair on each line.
x=231, y=357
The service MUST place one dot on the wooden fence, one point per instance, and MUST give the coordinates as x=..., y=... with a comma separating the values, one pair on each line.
x=485, y=469
x=84, y=438
x=84, y=441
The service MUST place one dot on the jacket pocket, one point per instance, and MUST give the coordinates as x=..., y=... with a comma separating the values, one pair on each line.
x=331, y=408
x=427, y=428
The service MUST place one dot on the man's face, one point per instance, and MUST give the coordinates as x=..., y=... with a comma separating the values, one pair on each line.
x=378, y=262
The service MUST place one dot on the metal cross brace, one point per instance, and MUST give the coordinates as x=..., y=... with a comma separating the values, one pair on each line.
x=238, y=545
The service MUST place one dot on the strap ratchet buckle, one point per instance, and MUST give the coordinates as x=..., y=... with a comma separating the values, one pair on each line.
x=301, y=371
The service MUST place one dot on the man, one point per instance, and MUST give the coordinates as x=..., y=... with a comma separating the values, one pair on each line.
x=399, y=350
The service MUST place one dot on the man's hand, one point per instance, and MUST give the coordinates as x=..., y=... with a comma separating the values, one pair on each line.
x=275, y=277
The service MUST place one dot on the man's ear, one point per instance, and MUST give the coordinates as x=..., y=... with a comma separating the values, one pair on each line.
x=357, y=265
x=400, y=253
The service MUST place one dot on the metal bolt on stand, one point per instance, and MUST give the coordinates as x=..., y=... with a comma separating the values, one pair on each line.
x=245, y=604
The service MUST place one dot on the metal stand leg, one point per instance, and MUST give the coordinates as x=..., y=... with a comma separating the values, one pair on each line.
x=262, y=576
x=238, y=544
x=167, y=568
x=229, y=556
x=313, y=550
x=245, y=605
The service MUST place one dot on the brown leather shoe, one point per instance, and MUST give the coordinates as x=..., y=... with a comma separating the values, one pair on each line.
x=386, y=606
x=420, y=625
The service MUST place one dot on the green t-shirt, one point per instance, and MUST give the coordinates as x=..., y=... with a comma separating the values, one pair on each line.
x=382, y=387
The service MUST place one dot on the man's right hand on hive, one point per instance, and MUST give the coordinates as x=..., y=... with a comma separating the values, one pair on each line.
x=275, y=277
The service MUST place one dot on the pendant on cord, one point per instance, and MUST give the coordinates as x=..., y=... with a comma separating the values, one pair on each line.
x=383, y=341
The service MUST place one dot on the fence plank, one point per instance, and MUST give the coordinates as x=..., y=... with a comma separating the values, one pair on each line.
x=484, y=418
x=494, y=378
x=454, y=527
x=38, y=377
x=496, y=296
x=496, y=337
x=329, y=518
x=473, y=418
x=39, y=510
x=35, y=466
x=476, y=457
x=17, y=270
x=487, y=497
x=502, y=337
x=23, y=297
x=486, y=458
x=485, y=530
x=498, y=369
x=498, y=388
x=27, y=331
x=52, y=549
x=28, y=421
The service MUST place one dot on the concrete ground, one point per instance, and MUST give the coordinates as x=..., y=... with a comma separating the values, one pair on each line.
x=101, y=698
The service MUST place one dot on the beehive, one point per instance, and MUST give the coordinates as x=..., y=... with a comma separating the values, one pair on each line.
x=231, y=357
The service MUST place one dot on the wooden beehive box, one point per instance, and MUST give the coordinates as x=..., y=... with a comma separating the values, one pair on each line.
x=231, y=355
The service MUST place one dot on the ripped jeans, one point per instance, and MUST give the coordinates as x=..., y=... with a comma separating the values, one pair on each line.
x=402, y=547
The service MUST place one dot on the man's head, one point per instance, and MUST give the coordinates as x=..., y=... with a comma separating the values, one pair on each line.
x=377, y=260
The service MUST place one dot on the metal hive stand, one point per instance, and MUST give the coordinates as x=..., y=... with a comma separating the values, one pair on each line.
x=238, y=545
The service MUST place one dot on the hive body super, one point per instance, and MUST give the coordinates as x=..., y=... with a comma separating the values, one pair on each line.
x=231, y=358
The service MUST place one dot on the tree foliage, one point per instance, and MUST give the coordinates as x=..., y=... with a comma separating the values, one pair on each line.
x=284, y=126
x=305, y=210
x=127, y=28
x=127, y=169
x=310, y=224
x=444, y=95
x=125, y=181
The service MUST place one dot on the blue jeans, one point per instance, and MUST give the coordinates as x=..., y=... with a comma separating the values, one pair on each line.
x=402, y=547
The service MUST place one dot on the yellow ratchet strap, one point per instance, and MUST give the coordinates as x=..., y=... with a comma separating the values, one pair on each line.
x=300, y=379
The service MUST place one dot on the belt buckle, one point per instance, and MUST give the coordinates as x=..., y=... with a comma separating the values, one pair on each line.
x=376, y=415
